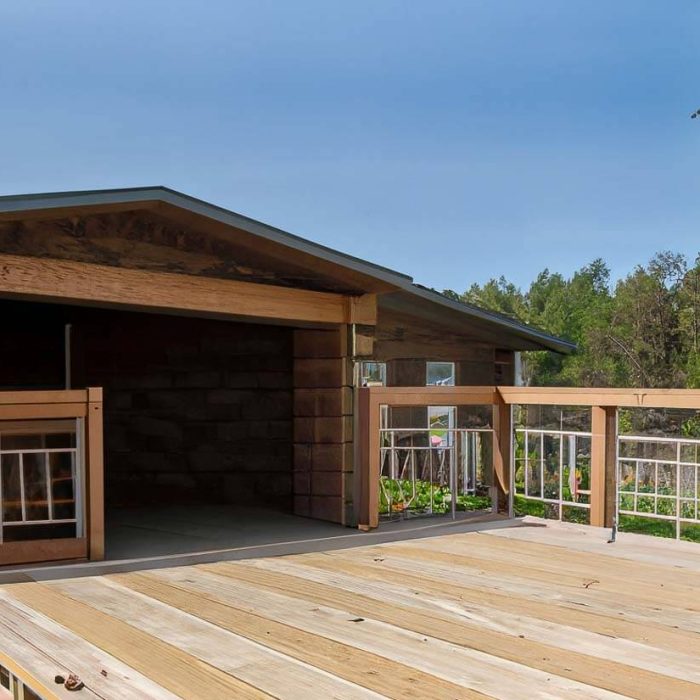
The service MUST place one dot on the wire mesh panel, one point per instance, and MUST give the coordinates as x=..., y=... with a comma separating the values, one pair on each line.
x=439, y=471
x=657, y=479
x=40, y=480
x=553, y=472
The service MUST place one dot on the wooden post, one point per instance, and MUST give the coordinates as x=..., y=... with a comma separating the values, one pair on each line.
x=502, y=436
x=95, y=476
x=598, y=454
x=610, y=464
x=368, y=460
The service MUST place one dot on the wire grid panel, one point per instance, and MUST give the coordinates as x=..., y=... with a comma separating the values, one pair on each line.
x=658, y=477
x=553, y=467
x=425, y=472
x=40, y=486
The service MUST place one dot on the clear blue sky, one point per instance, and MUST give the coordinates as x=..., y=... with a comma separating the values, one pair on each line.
x=452, y=140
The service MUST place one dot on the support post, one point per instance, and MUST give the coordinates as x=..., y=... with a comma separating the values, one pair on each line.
x=598, y=460
x=368, y=462
x=502, y=436
x=610, y=464
x=323, y=425
x=95, y=476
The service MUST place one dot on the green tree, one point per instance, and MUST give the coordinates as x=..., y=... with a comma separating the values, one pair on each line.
x=643, y=332
x=645, y=327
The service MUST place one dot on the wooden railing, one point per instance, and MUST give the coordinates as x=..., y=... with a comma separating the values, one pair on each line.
x=32, y=465
x=603, y=404
x=370, y=399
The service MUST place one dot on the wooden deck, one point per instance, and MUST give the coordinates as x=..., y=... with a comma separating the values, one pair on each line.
x=530, y=612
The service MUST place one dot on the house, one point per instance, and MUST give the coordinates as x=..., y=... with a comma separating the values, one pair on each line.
x=227, y=353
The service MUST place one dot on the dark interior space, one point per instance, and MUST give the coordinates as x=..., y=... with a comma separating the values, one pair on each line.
x=195, y=410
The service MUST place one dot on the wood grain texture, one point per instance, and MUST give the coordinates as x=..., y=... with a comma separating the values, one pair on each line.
x=159, y=236
x=18, y=406
x=279, y=675
x=67, y=653
x=95, y=480
x=69, y=281
x=165, y=664
x=576, y=666
x=501, y=614
x=30, y=551
x=372, y=671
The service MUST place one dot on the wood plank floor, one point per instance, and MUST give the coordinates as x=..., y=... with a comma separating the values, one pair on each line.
x=528, y=612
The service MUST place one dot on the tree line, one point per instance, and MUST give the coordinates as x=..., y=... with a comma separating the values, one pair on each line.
x=644, y=330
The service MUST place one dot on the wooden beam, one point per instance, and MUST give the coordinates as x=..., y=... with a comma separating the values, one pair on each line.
x=31, y=411
x=629, y=398
x=13, y=398
x=76, y=282
x=362, y=310
x=434, y=395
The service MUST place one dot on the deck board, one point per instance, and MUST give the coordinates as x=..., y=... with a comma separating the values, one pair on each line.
x=538, y=612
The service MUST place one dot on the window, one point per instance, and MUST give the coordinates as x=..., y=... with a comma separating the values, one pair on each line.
x=373, y=374
x=440, y=374
x=441, y=419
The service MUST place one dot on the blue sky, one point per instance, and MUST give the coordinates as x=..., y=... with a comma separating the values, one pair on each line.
x=452, y=140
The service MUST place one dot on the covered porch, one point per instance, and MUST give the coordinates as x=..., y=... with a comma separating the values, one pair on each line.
x=188, y=444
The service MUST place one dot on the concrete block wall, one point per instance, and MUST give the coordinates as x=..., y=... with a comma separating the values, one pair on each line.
x=195, y=410
x=323, y=425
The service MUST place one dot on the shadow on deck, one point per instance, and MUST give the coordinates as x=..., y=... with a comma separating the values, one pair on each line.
x=153, y=538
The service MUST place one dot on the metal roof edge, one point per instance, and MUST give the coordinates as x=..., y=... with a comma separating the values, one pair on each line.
x=550, y=342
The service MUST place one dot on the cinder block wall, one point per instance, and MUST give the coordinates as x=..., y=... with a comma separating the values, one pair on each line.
x=195, y=410
x=323, y=425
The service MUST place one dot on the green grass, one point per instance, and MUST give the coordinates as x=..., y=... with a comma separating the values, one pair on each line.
x=524, y=506
x=658, y=528
x=571, y=514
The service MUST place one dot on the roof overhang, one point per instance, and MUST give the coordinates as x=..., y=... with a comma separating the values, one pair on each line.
x=396, y=290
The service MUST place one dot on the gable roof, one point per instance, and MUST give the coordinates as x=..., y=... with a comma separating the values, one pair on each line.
x=399, y=289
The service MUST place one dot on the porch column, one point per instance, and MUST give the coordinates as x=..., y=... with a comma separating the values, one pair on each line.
x=502, y=437
x=323, y=424
x=603, y=464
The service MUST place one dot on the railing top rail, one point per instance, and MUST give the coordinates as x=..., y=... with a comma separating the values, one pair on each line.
x=547, y=431
x=546, y=396
x=576, y=396
x=62, y=396
x=651, y=438
x=39, y=450
x=485, y=429
x=433, y=395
